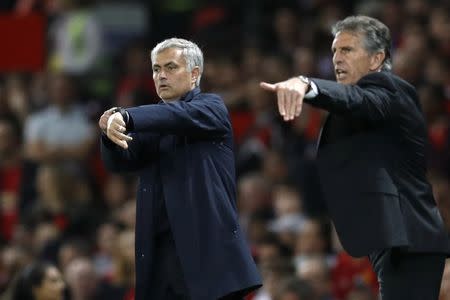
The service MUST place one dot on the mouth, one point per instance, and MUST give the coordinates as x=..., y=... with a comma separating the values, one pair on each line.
x=340, y=74
x=163, y=86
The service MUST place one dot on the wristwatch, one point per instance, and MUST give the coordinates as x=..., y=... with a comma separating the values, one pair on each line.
x=306, y=81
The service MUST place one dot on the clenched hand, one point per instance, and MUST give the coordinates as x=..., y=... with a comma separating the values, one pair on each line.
x=103, y=121
x=115, y=130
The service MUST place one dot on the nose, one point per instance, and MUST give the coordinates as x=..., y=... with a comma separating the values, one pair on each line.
x=161, y=75
x=337, y=58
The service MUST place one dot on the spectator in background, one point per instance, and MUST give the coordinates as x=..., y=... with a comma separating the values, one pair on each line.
x=84, y=284
x=287, y=200
x=76, y=37
x=70, y=250
x=13, y=258
x=135, y=86
x=115, y=191
x=39, y=281
x=253, y=124
x=286, y=29
x=295, y=289
x=61, y=132
x=11, y=160
x=103, y=258
x=273, y=273
x=289, y=217
x=124, y=276
x=315, y=270
x=46, y=237
x=64, y=199
x=16, y=94
x=313, y=239
x=432, y=98
x=274, y=167
x=254, y=196
x=269, y=248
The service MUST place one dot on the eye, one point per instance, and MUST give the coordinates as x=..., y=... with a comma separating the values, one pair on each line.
x=156, y=69
x=172, y=67
x=346, y=50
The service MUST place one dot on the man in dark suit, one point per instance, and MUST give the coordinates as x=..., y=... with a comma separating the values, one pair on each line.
x=371, y=159
x=188, y=241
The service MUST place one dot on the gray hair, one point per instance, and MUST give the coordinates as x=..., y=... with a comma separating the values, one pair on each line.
x=191, y=52
x=376, y=35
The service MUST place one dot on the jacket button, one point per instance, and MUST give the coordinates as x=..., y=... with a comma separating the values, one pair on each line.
x=144, y=190
x=142, y=255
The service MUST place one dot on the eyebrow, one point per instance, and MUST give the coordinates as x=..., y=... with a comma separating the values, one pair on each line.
x=167, y=64
x=343, y=47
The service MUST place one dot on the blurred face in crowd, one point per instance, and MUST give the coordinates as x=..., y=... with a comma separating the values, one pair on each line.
x=81, y=278
x=52, y=286
x=315, y=271
x=171, y=75
x=351, y=60
x=286, y=201
x=310, y=240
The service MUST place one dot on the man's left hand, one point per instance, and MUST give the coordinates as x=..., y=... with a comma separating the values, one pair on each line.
x=290, y=94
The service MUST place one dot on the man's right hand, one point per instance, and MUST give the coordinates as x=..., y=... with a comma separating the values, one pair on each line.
x=115, y=130
x=103, y=121
x=290, y=94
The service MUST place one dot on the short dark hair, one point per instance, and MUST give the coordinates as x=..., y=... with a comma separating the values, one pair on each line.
x=31, y=276
x=377, y=36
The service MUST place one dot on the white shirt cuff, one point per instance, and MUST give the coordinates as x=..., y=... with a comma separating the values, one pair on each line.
x=313, y=91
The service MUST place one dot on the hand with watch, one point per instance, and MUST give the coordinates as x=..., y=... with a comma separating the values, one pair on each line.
x=290, y=95
x=113, y=124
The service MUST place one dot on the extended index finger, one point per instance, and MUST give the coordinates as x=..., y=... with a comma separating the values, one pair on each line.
x=268, y=86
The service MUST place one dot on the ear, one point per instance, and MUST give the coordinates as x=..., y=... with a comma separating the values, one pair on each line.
x=195, y=73
x=376, y=60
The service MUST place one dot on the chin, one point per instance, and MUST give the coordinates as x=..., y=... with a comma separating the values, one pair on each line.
x=164, y=95
x=344, y=81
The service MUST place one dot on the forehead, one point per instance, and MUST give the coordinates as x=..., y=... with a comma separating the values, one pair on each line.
x=169, y=55
x=346, y=38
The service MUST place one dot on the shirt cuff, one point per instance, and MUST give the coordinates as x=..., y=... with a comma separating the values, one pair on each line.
x=313, y=91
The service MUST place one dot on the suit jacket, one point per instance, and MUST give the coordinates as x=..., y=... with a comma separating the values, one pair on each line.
x=189, y=144
x=372, y=166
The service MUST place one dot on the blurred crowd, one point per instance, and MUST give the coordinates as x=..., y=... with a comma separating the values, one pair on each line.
x=59, y=205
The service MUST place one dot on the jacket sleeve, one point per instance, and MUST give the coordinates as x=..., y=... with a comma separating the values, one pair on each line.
x=204, y=115
x=141, y=150
x=372, y=98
